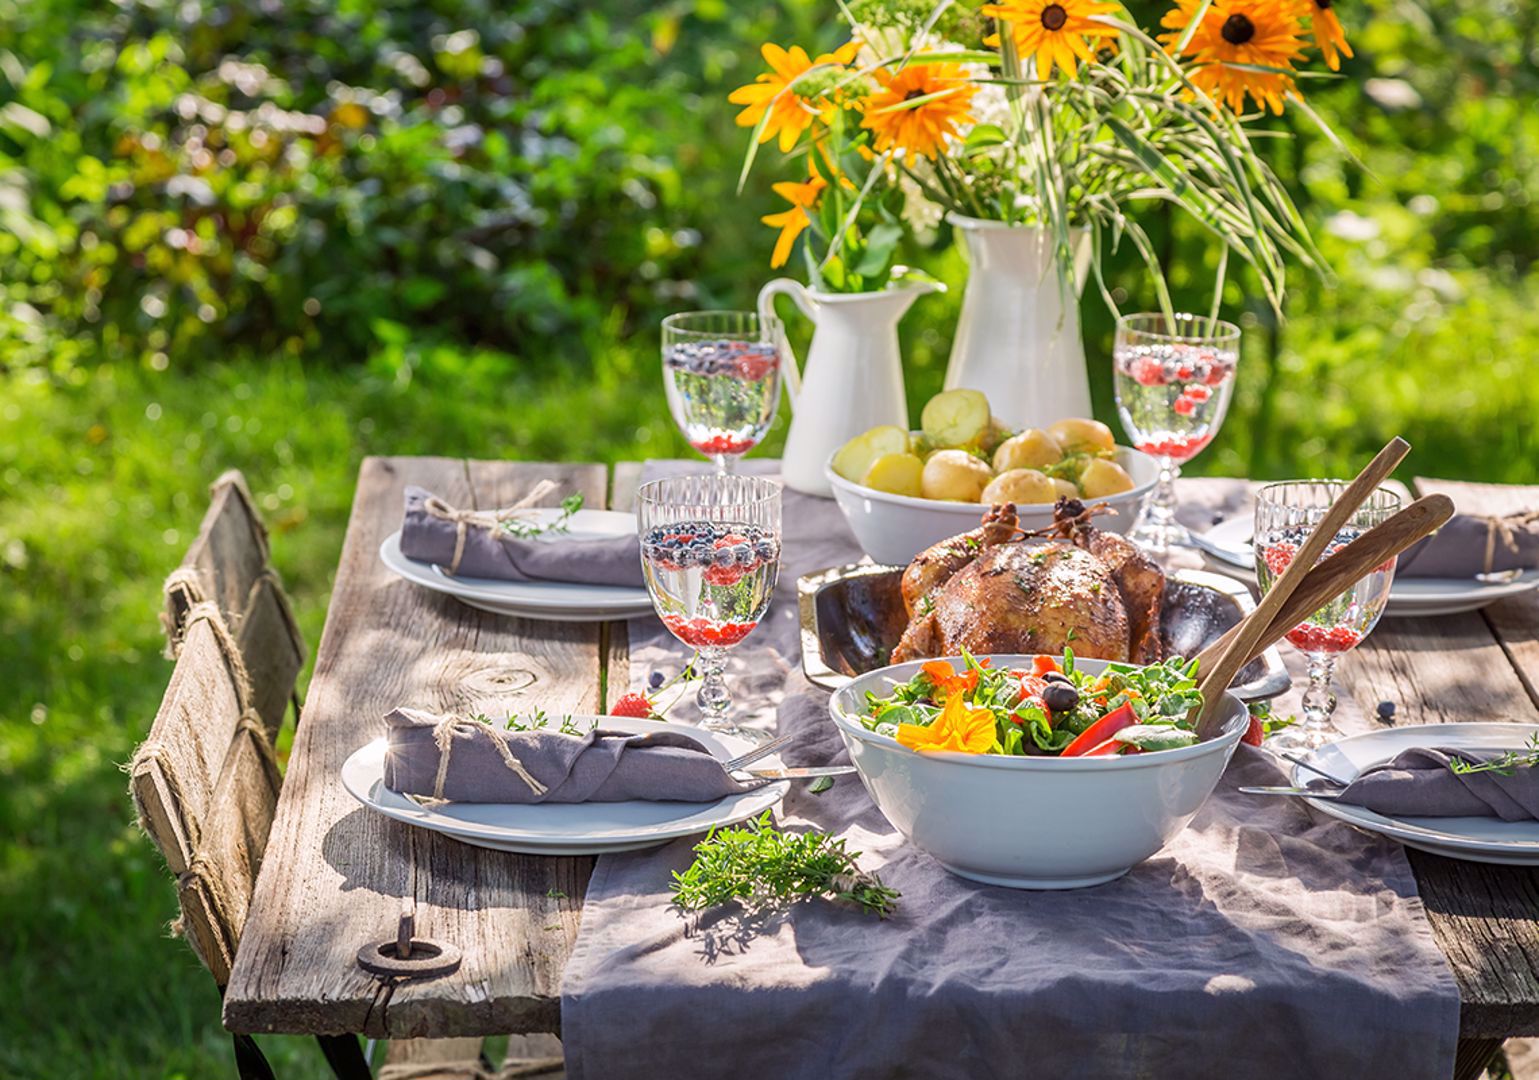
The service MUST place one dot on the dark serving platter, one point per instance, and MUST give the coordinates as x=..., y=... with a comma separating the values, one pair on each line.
x=852, y=616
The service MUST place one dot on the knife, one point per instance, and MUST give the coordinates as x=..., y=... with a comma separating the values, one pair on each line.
x=805, y=772
x=1300, y=793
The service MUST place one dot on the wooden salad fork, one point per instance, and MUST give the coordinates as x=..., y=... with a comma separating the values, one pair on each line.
x=1253, y=634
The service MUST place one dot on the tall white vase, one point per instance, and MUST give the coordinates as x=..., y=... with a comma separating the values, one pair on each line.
x=853, y=378
x=1018, y=339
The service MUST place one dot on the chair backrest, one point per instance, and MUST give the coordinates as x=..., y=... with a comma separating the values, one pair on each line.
x=205, y=782
x=227, y=566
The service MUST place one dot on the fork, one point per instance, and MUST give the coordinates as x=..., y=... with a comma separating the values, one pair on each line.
x=760, y=751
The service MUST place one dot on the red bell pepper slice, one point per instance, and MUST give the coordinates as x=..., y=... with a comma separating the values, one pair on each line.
x=1043, y=664
x=1091, y=739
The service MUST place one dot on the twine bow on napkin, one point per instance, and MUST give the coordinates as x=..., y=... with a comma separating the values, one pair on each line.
x=1475, y=546
x=488, y=519
x=435, y=759
x=488, y=544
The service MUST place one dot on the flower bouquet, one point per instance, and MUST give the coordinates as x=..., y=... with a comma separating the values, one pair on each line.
x=1039, y=128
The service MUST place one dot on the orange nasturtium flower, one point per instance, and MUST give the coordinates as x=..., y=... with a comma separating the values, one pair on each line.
x=921, y=129
x=789, y=113
x=1329, y=37
x=948, y=682
x=1257, y=33
x=959, y=728
x=1055, y=32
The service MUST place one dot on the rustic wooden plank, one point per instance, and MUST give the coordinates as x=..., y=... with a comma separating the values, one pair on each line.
x=627, y=478
x=433, y=1059
x=337, y=873
x=1514, y=622
x=224, y=560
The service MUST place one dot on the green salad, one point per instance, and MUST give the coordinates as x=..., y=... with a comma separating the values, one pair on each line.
x=1048, y=709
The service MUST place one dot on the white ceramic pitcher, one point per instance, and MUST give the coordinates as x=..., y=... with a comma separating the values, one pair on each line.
x=1018, y=338
x=854, y=374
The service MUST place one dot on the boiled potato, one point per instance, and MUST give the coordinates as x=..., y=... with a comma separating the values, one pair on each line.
x=1102, y=478
x=1066, y=488
x=1080, y=435
x=854, y=458
x=1031, y=449
x=954, y=475
x=957, y=418
x=1020, y=486
x=896, y=474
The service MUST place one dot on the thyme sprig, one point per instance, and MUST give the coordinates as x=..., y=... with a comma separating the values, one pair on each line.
x=528, y=530
x=1506, y=764
x=539, y=720
x=763, y=867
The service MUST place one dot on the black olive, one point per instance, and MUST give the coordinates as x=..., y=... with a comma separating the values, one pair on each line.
x=1057, y=676
x=1060, y=697
x=1386, y=710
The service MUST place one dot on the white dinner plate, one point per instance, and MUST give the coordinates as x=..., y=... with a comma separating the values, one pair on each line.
x=565, y=601
x=566, y=828
x=1227, y=548
x=1477, y=839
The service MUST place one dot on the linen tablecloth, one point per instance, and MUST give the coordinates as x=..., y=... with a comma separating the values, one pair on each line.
x=1261, y=942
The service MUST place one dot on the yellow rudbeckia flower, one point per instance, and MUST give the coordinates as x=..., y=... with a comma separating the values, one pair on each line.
x=802, y=197
x=789, y=113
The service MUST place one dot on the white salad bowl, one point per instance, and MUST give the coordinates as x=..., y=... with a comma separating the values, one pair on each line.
x=894, y=528
x=1032, y=822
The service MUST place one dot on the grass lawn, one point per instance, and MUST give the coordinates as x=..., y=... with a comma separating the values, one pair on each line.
x=102, y=483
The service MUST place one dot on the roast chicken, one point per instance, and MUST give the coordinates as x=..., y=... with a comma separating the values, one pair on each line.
x=992, y=591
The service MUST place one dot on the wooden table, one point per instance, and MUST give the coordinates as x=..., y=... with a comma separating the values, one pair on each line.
x=336, y=875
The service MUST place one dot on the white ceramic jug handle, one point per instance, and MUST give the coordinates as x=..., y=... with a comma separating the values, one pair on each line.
x=803, y=300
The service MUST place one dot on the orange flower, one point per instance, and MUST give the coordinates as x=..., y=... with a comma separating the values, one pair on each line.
x=1329, y=37
x=1256, y=33
x=922, y=128
x=1055, y=32
x=789, y=113
x=947, y=681
x=802, y=197
x=958, y=728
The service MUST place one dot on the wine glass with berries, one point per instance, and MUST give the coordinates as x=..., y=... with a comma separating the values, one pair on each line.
x=1173, y=379
x=1286, y=513
x=721, y=370
x=710, y=551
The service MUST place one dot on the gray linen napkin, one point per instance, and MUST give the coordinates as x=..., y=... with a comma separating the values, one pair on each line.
x=490, y=765
x=1470, y=544
x=1419, y=783
x=430, y=532
x=1262, y=941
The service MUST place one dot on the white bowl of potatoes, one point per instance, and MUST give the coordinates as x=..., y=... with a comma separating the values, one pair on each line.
x=902, y=491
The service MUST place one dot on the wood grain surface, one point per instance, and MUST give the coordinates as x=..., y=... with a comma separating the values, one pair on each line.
x=336, y=875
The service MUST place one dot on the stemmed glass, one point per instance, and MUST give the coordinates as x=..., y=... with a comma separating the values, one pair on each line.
x=1173, y=379
x=710, y=550
x=1286, y=513
x=721, y=370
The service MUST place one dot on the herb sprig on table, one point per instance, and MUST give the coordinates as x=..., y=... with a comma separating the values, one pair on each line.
x=761, y=866
x=1506, y=764
x=528, y=530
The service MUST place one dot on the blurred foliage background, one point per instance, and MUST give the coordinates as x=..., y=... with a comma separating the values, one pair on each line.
x=282, y=235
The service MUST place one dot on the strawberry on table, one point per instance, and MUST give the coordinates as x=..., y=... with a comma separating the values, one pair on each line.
x=636, y=706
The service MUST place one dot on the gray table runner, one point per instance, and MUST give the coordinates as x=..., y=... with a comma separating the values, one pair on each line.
x=1261, y=942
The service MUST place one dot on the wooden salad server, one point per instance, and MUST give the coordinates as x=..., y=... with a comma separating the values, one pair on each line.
x=1214, y=678
x=1335, y=575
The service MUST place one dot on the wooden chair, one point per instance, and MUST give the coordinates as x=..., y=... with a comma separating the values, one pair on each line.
x=206, y=781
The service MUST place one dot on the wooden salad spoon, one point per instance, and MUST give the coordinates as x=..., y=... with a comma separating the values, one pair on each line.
x=1214, y=678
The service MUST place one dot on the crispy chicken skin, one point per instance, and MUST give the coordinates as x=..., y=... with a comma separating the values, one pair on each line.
x=1087, y=588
